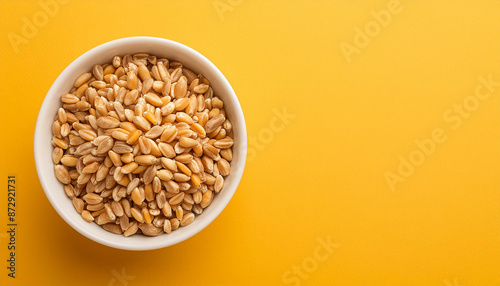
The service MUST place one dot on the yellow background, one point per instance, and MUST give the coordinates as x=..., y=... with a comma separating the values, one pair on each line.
x=322, y=175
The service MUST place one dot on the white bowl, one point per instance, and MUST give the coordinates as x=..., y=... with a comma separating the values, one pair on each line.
x=104, y=54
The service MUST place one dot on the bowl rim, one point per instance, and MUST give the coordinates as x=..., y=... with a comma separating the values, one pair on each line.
x=211, y=214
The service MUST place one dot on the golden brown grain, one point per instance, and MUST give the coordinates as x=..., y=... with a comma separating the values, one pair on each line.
x=214, y=123
x=184, y=158
x=87, y=216
x=98, y=72
x=62, y=174
x=149, y=229
x=142, y=123
x=206, y=199
x=211, y=152
x=153, y=99
x=57, y=154
x=174, y=222
x=166, y=150
x=146, y=215
x=177, y=199
x=149, y=174
x=129, y=168
x=113, y=228
x=224, y=167
x=195, y=180
x=145, y=159
x=78, y=204
x=117, y=208
x=181, y=104
x=154, y=132
x=227, y=154
x=124, y=222
x=187, y=142
x=120, y=134
x=107, y=122
x=138, y=195
x=224, y=143
x=187, y=219
x=132, y=229
x=69, y=190
x=136, y=214
x=219, y=183
x=82, y=79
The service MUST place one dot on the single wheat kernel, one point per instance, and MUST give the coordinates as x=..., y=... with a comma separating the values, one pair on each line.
x=78, y=204
x=95, y=207
x=138, y=196
x=174, y=222
x=107, y=122
x=127, y=158
x=153, y=99
x=179, y=212
x=166, y=210
x=98, y=72
x=206, y=199
x=57, y=155
x=219, y=183
x=112, y=227
x=146, y=215
x=129, y=168
x=136, y=214
x=183, y=168
x=187, y=219
x=87, y=216
x=177, y=199
x=148, y=192
x=195, y=180
x=145, y=159
x=124, y=222
x=142, y=123
x=132, y=229
x=187, y=142
x=92, y=198
x=149, y=229
x=62, y=174
x=82, y=79
x=154, y=132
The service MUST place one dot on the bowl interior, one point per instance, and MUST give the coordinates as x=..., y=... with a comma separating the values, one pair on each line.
x=104, y=54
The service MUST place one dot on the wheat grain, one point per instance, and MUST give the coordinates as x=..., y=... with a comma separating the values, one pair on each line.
x=145, y=131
